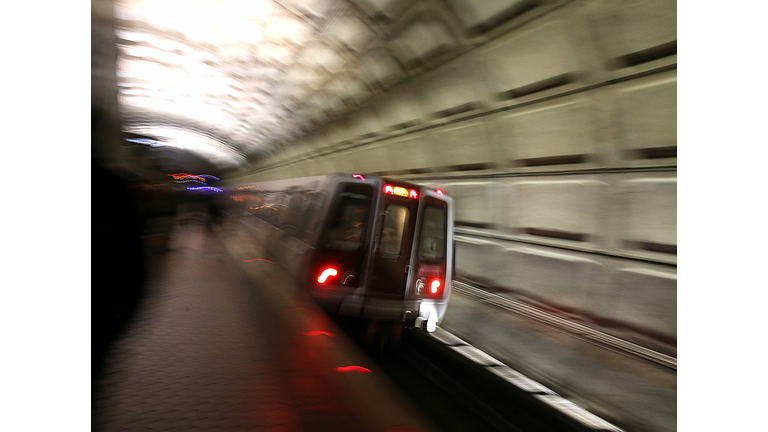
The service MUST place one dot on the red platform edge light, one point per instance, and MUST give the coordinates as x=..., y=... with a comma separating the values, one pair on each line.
x=353, y=369
x=258, y=259
x=319, y=333
x=439, y=192
x=326, y=273
x=401, y=191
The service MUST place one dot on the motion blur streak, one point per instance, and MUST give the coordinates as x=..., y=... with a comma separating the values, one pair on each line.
x=298, y=308
x=258, y=259
x=204, y=188
x=187, y=181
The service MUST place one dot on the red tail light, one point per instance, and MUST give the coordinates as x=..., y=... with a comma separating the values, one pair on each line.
x=435, y=286
x=430, y=280
x=326, y=273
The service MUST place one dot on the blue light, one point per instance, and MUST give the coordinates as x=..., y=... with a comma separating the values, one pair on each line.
x=151, y=143
x=145, y=141
x=213, y=189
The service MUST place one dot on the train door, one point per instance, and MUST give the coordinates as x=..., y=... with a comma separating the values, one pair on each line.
x=344, y=238
x=393, y=252
x=430, y=261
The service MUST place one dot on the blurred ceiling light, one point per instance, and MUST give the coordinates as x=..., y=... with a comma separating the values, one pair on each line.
x=289, y=29
x=216, y=63
x=210, y=148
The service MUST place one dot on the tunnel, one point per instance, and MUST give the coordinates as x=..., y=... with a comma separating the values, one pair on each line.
x=551, y=124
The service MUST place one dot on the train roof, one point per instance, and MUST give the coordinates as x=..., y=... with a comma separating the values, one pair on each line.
x=335, y=177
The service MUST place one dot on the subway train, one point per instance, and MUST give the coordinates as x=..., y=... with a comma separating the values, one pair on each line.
x=364, y=247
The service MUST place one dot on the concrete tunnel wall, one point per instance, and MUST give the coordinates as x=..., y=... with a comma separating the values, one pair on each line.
x=552, y=124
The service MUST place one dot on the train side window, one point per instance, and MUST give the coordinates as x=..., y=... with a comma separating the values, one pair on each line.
x=346, y=230
x=432, y=242
x=292, y=211
x=254, y=204
x=266, y=212
x=278, y=209
x=260, y=203
x=307, y=212
x=392, y=229
x=279, y=212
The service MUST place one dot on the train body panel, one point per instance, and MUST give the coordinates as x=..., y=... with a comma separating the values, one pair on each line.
x=372, y=247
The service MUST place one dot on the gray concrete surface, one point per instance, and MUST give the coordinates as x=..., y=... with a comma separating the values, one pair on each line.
x=220, y=344
x=631, y=393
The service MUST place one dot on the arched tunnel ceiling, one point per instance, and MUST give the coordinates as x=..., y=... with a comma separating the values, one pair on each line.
x=247, y=78
x=243, y=77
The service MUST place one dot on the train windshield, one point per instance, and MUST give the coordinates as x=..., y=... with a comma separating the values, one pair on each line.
x=393, y=228
x=432, y=243
x=347, y=228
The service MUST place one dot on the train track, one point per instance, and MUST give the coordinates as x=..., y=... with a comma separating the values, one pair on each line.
x=462, y=389
x=577, y=330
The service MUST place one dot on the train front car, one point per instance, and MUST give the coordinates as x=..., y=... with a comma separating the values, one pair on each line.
x=385, y=252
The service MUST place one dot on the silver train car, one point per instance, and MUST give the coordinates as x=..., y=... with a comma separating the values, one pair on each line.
x=364, y=247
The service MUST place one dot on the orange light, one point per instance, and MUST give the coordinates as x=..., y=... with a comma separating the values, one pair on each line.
x=434, y=286
x=185, y=176
x=325, y=274
x=401, y=191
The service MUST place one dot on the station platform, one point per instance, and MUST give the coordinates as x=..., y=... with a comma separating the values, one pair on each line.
x=223, y=341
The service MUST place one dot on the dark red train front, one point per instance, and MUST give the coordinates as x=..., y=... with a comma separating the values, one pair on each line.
x=385, y=252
